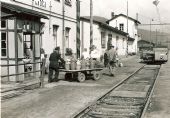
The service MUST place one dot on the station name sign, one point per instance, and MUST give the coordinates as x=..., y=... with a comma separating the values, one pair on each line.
x=40, y=3
x=44, y=4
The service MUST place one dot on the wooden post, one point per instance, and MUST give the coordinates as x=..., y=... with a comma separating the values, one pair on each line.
x=16, y=50
x=78, y=30
x=91, y=24
x=42, y=73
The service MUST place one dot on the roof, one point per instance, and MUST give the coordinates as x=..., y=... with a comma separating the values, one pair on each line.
x=113, y=29
x=17, y=10
x=102, y=23
x=136, y=21
x=130, y=39
x=145, y=41
x=97, y=19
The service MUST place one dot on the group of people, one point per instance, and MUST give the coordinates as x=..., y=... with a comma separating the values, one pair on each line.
x=110, y=60
x=94, y=53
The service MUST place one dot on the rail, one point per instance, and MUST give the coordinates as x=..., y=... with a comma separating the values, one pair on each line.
x=103, y=96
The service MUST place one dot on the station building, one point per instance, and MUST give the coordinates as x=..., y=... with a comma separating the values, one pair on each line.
x=104, y=35
x=129, y=26
x=27, y=26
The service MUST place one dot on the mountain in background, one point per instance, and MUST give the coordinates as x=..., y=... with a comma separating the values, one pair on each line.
x=156, y=37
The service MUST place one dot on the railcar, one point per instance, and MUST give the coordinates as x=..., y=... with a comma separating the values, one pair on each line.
x=156, y=54
x=160, y=54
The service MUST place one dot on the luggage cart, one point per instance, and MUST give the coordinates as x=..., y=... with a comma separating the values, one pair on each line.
x=81, y=75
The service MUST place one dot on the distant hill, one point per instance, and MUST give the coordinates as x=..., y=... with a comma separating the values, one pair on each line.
x=157, y=38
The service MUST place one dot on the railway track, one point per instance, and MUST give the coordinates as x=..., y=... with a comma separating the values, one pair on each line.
x=128, y=99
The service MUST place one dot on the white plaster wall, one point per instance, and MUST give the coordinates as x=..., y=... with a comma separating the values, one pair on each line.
x=132, y=30
x=55, y=18
x=97, y=38
x=11, y=44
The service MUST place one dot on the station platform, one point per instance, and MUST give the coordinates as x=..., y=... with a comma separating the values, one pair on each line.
x=160, y=102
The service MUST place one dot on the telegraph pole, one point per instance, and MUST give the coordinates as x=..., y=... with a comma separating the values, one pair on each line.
x=78, y=30
x=127, y=29
x=63, y=29
x=91, y=24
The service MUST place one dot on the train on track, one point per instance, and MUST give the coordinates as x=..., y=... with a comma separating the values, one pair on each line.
x=155, y=54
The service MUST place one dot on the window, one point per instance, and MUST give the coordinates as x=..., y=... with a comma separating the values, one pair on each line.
x=55, y=28
x=3, y=24
x=28, y=46
x=109, y=41
x=103, y=40
x=67, y=37
x=3, y=44
x=68, y=2
x=121, y=27
x=117, y=38
x=123, y=43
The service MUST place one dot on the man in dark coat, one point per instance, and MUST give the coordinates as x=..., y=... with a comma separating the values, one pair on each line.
x=112, y=60
x=54, y=64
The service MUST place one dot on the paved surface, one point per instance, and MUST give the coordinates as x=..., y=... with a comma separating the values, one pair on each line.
x=160, y=101
x=63, y=99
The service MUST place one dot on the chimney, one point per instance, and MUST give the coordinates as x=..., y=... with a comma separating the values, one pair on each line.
x=112, y=14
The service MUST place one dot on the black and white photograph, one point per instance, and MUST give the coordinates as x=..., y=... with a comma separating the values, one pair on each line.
x=85, y=58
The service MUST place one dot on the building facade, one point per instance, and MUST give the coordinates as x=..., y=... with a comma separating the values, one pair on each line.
x=129, y=26
x=35, y=24
x=103, y=35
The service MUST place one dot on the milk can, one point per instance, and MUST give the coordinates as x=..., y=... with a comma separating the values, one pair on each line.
x=83, y=64
x=78, y=67
x=67, y=64
x=92, y=63
x=87, y=64
x=73, y=64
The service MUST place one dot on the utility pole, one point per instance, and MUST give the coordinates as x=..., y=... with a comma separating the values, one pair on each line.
x=150, y=31
x=156, y=38
x=78, y=30
x=63, y=29
x=127, y=29
x=91, y=24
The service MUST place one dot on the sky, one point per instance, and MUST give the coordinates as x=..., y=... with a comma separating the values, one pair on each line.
x=145, y=8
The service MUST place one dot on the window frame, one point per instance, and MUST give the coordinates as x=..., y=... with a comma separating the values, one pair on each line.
x=2, y=40
x=103, y=39
x=2, y=20
x=121, y=26
x=68, y=2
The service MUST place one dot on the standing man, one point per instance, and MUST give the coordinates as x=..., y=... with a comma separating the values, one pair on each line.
x=106, y=58
x=54, y=64
x=85, y=54
x=112, y=60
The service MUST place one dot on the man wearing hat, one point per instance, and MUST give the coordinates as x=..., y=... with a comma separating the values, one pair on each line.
x=54, y=64
x=112, y=59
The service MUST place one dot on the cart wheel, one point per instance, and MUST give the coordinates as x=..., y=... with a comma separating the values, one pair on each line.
x=96, y=75
x=68, y=76
x=81, y=77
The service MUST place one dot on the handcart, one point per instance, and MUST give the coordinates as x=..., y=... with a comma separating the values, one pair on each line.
x=82, y=74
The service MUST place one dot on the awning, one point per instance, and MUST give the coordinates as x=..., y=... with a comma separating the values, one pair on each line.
x=15, y=10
